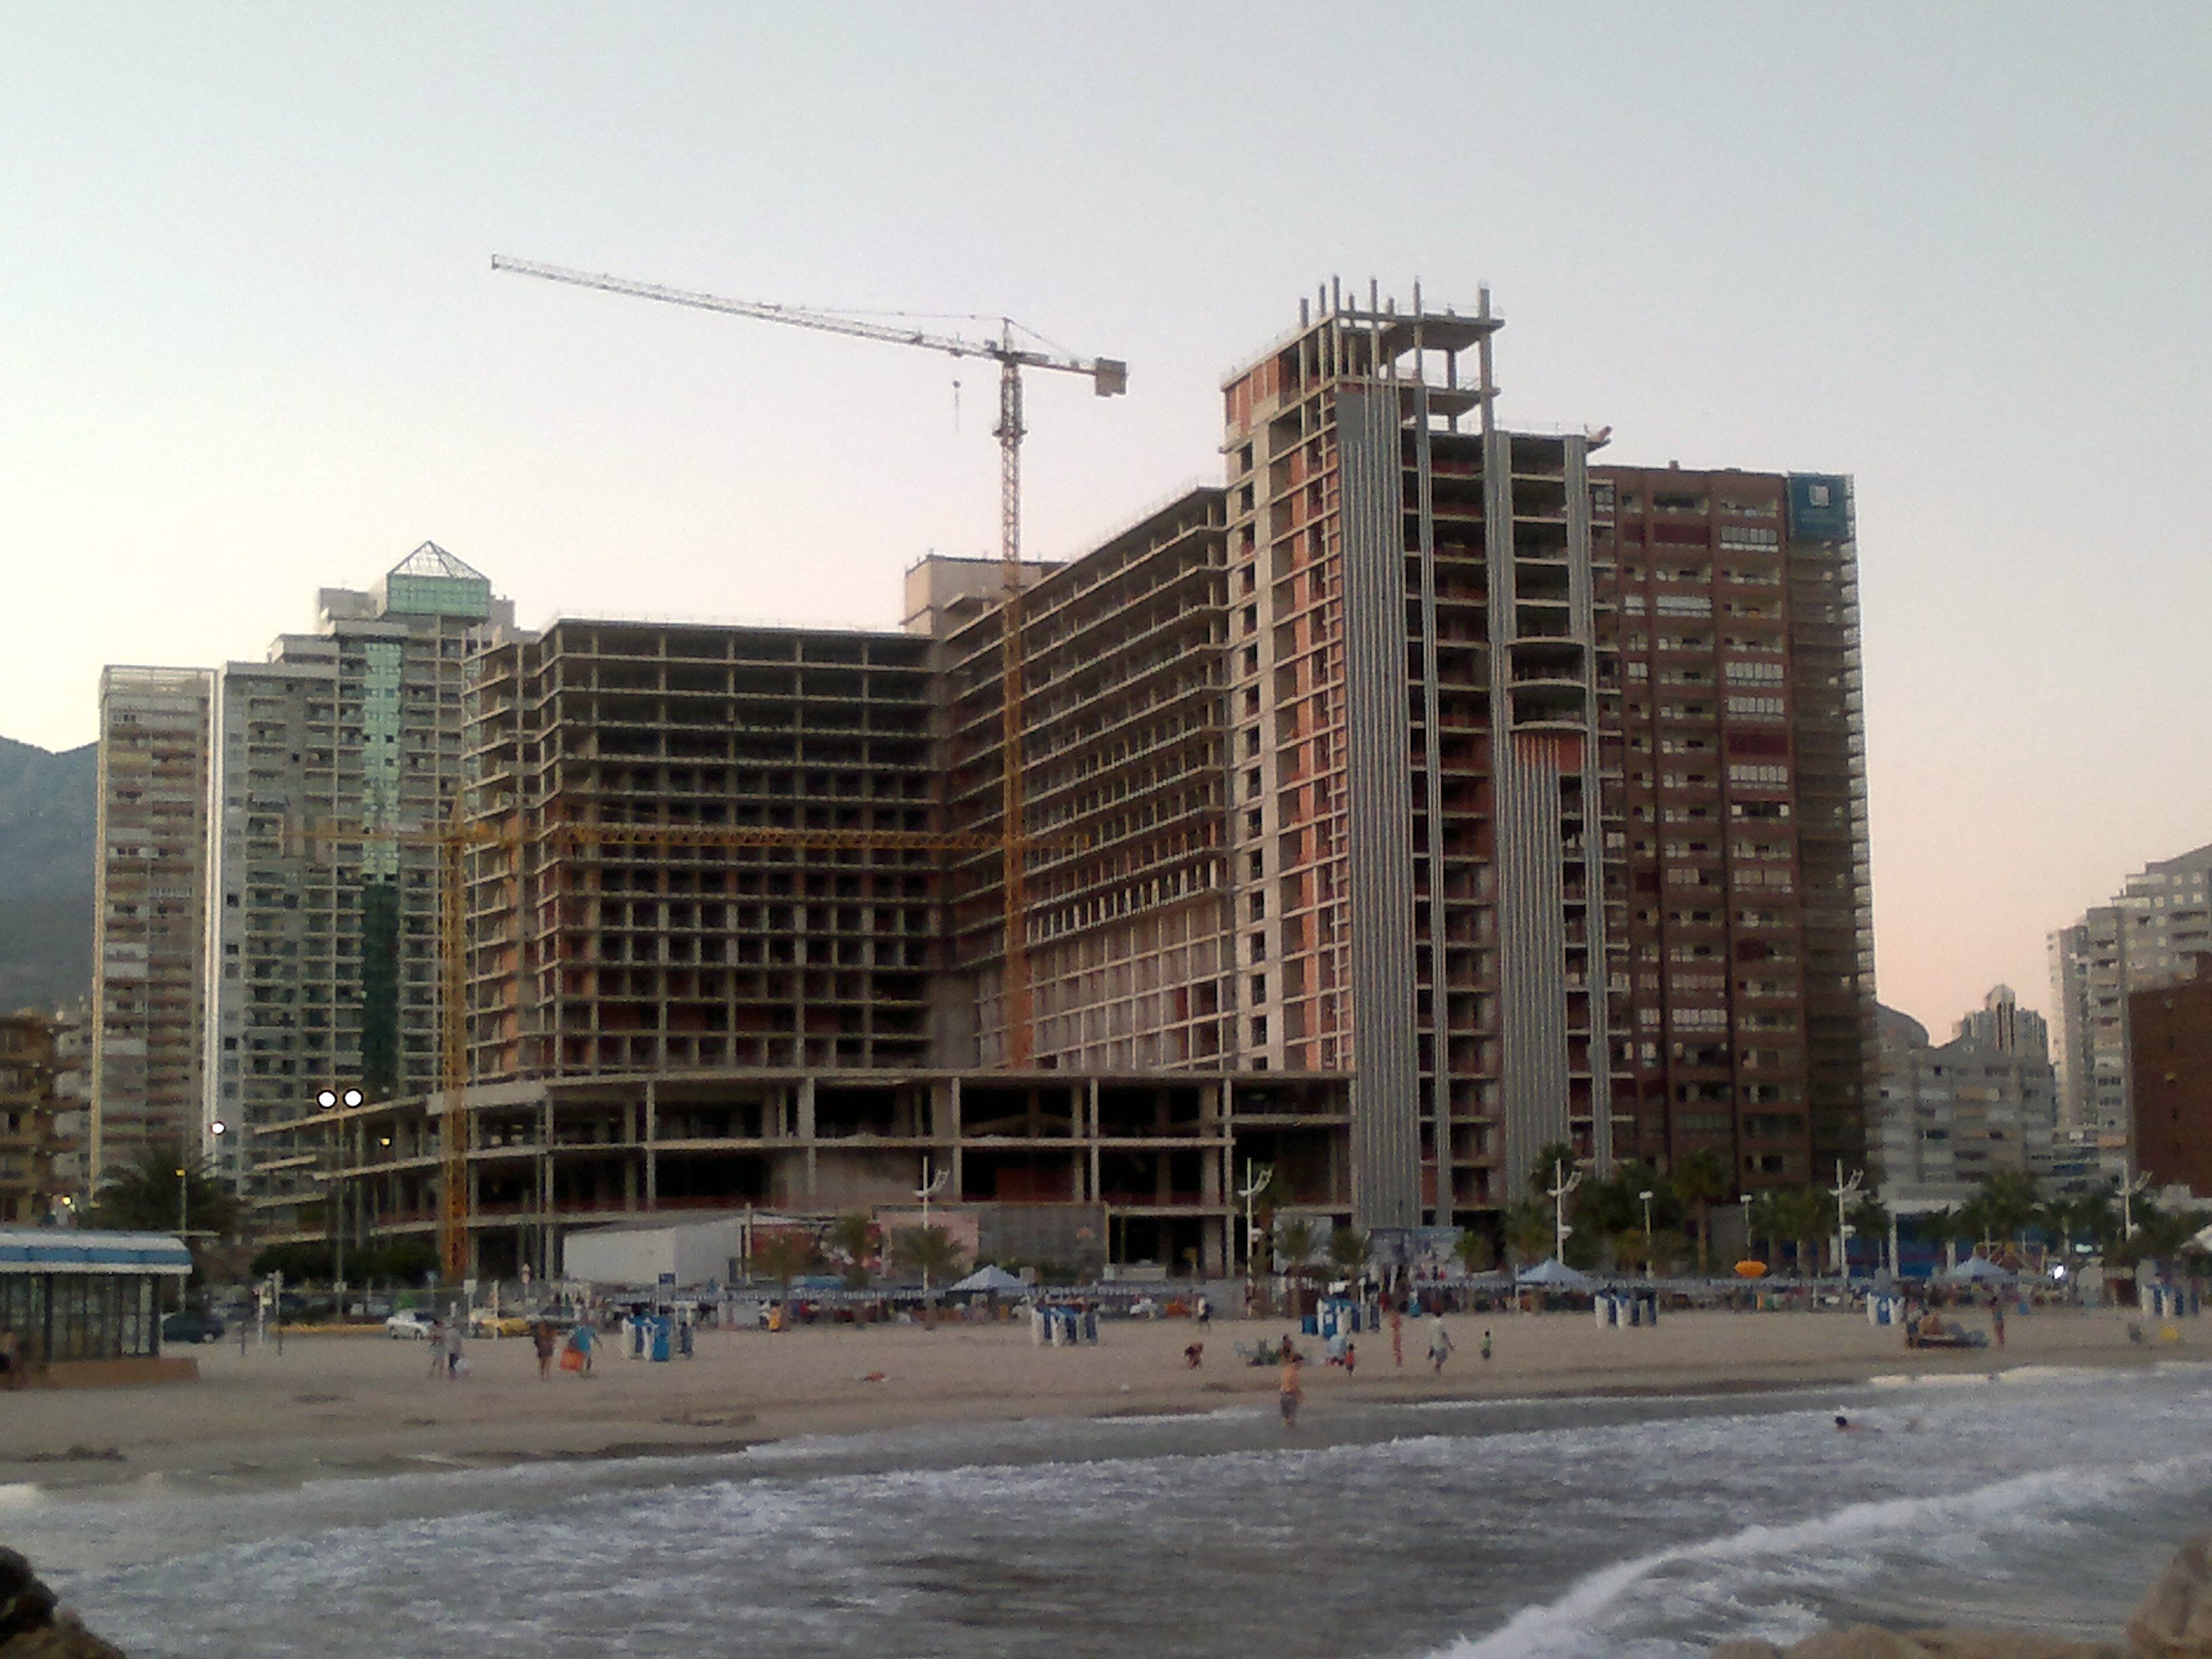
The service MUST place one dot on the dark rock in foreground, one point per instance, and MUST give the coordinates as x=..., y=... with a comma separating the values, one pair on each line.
x=2173, y=1621
x=32, y=1625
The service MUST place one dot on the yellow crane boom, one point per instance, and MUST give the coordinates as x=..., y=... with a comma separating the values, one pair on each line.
x=1108, y=377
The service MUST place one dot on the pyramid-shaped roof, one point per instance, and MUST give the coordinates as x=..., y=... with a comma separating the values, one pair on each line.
x=432, y=560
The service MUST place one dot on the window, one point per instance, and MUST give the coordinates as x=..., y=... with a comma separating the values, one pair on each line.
x=1755, y=707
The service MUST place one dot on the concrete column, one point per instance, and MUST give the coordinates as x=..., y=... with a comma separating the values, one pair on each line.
x=649, y=1110
x=807, y=1136
x=951, y=1130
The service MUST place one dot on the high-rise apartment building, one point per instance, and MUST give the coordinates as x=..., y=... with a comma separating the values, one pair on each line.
x=32, y=1106
x=1743, y=778
x=2142, y=938
x=2170, y=1071
x=1949, y=1117
x=2002, y=1024
x=149, y=898
x=332, y=760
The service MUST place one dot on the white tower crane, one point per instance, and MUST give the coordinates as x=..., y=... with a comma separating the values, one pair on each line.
x=1109, y=378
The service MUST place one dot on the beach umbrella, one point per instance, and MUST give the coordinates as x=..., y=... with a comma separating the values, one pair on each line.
x=1977, y=1270
x=1749, y=1269
x=992, y=1279
x=1555, y=1274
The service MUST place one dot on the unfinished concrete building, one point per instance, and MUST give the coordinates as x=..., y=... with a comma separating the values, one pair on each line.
x=1328, y=778
x=1413, y=673
x=631, y=941
x=1126, y=750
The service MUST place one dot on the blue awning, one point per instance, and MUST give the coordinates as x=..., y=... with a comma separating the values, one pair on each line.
x=74, y=1250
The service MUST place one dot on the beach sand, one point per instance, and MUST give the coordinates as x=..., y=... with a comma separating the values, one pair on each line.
x=353, y=1405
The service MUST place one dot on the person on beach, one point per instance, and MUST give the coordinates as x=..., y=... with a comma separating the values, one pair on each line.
x=1290, y=1393
x=541, y=1334
x=1289, y=1350
x=580, y=1341
x=1193, y=1356
x=453, y=1351
x=1440, y=1345
x=1996, y=1320
x=437, y=1345
x=1397, y=1336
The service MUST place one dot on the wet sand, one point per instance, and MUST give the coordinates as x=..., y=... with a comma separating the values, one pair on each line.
x=355, y=1405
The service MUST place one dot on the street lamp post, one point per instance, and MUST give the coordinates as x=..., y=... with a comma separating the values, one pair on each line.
x=1646, y=1196
x=2137, y=1183
x=184, y=1171
x=933, y=1182
x=1258, y=1177
x=1746, y=1200
x=334, y=1202
x=1844, y=1192
x=1562, y=1184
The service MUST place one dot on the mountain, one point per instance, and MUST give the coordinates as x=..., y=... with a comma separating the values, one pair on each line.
x=47, y=804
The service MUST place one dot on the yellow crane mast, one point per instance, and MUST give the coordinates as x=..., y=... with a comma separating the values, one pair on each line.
x=1108, y=377
x=454, y=839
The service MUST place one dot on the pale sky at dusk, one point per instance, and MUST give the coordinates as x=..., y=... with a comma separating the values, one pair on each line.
x=250, y=344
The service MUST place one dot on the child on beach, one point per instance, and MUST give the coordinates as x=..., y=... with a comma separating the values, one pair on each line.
x=1440, y=1345
x=1290, y=1393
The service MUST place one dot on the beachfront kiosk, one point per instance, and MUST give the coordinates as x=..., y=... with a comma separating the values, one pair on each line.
x=84, y=1307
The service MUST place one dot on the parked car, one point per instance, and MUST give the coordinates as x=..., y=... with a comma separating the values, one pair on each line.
x=486, y=1324
x=191, y=1327
x=408, y=1326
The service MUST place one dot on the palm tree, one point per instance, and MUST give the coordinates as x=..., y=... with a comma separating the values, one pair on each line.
x=1558, y=1156
x=783, y=1255
x=1528, y=1233
x=1294, y=1243
x=1347, y=1251
x=1769, y=1222
x=931, y=1252
x=1664, y=1251
x=1474, y=1250
x=853, y=1236
x=1869, y=1219
x=2009, y=1199
x=142, y=1195
x=1701, y=1181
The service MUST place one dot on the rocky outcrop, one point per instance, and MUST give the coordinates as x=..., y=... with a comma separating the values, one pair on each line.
x=2173, y=1621
x=32, y=1625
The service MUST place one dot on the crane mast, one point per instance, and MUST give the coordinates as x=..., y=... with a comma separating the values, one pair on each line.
x=1109, y=378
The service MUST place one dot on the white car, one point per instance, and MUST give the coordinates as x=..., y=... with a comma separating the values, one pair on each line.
x=408, y=1327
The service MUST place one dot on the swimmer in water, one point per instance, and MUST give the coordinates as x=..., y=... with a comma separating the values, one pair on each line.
x=1844, y=1425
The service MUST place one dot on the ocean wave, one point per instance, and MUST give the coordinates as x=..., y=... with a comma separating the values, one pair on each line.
x=1705, y=1584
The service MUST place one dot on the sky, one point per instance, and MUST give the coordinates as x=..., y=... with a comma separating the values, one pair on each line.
x=251, y=344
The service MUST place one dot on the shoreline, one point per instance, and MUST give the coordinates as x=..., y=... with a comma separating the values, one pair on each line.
x=342, y=1408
